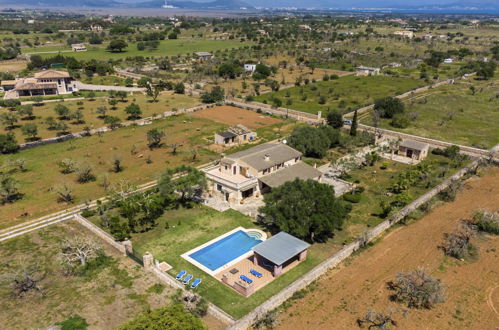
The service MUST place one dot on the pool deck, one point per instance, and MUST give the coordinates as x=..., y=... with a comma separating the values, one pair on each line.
x=244, y=266
x=228, y=265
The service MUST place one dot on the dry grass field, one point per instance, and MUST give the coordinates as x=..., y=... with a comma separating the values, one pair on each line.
x=232, y=116
x=472, y=288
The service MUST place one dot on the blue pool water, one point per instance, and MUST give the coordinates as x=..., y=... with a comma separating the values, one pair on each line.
x=225, y=250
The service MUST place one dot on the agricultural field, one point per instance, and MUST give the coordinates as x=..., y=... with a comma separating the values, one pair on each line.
x=466, y=113
x=348, y=292
x=166, y=48
x=110, y=291
x=167, y=101
x=192, y=136
x=343, y=94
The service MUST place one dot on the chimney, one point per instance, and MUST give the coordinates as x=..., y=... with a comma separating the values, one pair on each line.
x=266, y=157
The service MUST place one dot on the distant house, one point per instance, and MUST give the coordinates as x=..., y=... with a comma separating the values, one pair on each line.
x=404, y=34
x=235, y=135
x=48, y=82
x=78, y=47
x=413, y=149
x=262, y=32
x=249, y=67
x=255, y=171
x=305, y=27
x=96, y=28
x=203, y=56
x=395, y=65
x=448, y=60
x=367, y=71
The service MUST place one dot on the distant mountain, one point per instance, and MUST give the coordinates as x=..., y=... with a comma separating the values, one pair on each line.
x=61, y=3
x=216, y=5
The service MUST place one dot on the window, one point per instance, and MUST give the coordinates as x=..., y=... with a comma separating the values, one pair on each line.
x=219, y=187
x=234, y=170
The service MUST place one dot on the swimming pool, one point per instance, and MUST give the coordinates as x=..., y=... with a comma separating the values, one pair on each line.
x=225, y=250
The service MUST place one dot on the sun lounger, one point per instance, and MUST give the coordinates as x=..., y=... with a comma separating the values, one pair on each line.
x=246, y=279
x=196, y=282
x=180, y=274
x=255, y=273
x=187, y=279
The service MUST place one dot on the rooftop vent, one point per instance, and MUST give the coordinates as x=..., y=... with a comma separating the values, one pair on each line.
x=266, y=157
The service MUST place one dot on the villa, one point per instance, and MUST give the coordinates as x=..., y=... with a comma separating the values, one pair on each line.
x=235, y=135
x=257, y=170
x=404, y=34
x=48, y=82
x=367, y=71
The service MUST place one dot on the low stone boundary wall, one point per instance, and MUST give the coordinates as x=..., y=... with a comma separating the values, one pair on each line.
x=100, y=233
x=275, y=301
x=436, y=143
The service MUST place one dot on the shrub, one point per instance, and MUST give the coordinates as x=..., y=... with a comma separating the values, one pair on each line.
x=400, y=121
x=75, y=322
x=352, y=198
x=458, y=243
x=487, y=222
x=88, y=213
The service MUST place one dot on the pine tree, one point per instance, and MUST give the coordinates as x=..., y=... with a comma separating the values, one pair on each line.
x=353, y=128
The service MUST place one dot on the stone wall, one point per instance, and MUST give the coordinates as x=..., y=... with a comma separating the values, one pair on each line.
x=100, y=233
x=275, y=301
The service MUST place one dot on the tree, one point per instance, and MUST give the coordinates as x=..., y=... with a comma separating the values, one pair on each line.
x=62, y=128
x=30, y=130
x=102, y=110
x=179, y=88
x=230, y=70
x=67, y=166
x=335, y=119
x=77, y=251
x=153, y=92
x=112, y=103
x=26, y=111
x=117, y=166
x=9, y=189
x=64, y=193
x=305, y=209
x=133, y=111
x=77, y=116
x=189, y=182
x=117, y=46
x=84, y=173
x=388, y=107
x=112, y=122
x=8, y=143
x=378, y=320
x=215, y=95
x=172, y=317
x=9, y=119
x=154, y=137
x=24, y=278
x=62, y=111
x=353, y=127
x=310, y=141
x=458, y=243
x=122, y=95
x=417, y=289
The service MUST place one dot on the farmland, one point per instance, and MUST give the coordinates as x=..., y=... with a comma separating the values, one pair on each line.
x=347, y=293
x=342, y=94
x=464, y=113
x=166, y=48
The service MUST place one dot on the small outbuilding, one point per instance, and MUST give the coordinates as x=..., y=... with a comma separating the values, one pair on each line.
x=280, y=252
x=367, y=71
x=203, y=56
x=78, y=47
x=413, y=149
x=235, y=135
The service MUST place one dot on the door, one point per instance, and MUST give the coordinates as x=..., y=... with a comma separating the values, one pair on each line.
x=226, y=197
x=409, y=153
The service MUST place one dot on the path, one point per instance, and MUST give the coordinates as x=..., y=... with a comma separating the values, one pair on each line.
x=90, y=87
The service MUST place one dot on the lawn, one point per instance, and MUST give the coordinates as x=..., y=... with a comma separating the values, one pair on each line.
x=452, y=113
x=166, y=48
x=181, y=230
x=108, y=294
x=344, y=94
x=166, y=101
x=129, y=143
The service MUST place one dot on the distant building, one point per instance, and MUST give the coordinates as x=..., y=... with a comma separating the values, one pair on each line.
x=305, y=27
x=395, y=65
x=249, y=67
x=203, y=56
x=262, y=32
x=367, y=71
x=96, y=28
x=78, y=47
x=31, y=21
x=428, y=36
x=448, y=60
x=413, y=149
x=235, y=135
x=48, y=82
x=404, y=34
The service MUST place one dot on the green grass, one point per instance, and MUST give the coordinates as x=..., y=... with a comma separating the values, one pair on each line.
x=166, y=48
x=349, y=92
x=452, y=113
x=189, y=228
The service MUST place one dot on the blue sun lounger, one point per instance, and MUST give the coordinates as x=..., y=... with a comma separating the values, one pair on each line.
x=255, y=273
x=187, y=279
x=246, y=279
x=180, y=274
x=196, y=282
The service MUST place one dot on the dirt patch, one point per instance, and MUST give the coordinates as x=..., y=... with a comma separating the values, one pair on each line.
x=472, y=290
x=12, y=66
x=233, y=116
